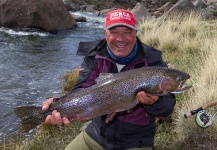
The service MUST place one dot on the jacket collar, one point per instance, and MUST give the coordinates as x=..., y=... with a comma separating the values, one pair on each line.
x=93, y=48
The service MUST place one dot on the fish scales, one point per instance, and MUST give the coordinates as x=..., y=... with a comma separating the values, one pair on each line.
x=101, y=99
x=112, y=93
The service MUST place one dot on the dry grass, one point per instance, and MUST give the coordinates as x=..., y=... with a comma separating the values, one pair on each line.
x=70, y=78
x=204, y=90
x=51, y=138
x=175, y=35
x=188, y=43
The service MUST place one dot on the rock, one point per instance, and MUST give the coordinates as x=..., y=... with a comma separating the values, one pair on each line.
x=75, y=6
x=140, y=12
x=182, y=6
x=88, y=8
x=157, y=14
x=165, y=7
x=105, y=11
x=79, y=18
x=67, y=5
x=200, y=4
x=49, y=15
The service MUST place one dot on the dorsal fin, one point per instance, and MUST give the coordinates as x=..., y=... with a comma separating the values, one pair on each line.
x=104, y=78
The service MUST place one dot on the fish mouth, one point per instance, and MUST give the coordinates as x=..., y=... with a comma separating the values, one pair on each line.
x=182, y=87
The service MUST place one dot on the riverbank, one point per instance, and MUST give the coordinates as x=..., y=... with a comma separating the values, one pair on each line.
x=142, y=8
x=100, y=5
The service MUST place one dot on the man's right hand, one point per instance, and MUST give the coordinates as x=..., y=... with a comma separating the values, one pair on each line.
x=55, y=118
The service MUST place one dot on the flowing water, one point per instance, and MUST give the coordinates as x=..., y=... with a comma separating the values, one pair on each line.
x=33, y=63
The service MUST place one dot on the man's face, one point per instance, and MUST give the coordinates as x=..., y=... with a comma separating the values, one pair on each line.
x=120, y=40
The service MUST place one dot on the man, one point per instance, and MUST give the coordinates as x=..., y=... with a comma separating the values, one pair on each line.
x=121, y=50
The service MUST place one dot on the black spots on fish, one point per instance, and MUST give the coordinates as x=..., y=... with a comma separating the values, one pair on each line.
x=124, y=88
x=31, y=116
x=82, y=102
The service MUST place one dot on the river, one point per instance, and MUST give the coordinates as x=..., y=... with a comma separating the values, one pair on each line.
x=33, y=63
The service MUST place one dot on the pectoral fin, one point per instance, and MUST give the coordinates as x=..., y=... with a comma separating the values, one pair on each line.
x=109, y=117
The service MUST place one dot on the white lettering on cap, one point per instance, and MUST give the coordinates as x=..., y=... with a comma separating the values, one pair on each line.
x=120, y=15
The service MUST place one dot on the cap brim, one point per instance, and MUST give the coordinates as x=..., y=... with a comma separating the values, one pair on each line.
x=120, y=24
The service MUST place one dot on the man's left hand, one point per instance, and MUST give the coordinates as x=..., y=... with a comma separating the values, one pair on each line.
x=146, y=99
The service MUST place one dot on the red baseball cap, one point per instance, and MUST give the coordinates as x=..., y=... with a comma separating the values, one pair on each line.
x=120, y=17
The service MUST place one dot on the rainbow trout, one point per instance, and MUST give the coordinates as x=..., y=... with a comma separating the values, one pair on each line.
x=112, y=93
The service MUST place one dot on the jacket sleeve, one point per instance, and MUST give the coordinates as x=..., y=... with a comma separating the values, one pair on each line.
x=163, y=107
x=87, y=74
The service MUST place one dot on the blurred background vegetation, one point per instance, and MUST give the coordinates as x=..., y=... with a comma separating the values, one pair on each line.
x=105, y=4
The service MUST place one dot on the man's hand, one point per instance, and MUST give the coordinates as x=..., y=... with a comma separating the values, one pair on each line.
x=146, y=99
x=55, y=118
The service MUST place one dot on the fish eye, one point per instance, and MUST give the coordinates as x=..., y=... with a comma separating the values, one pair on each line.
x=178, y=78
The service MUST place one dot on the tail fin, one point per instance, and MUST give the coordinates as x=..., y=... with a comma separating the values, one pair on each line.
x=31, y=117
